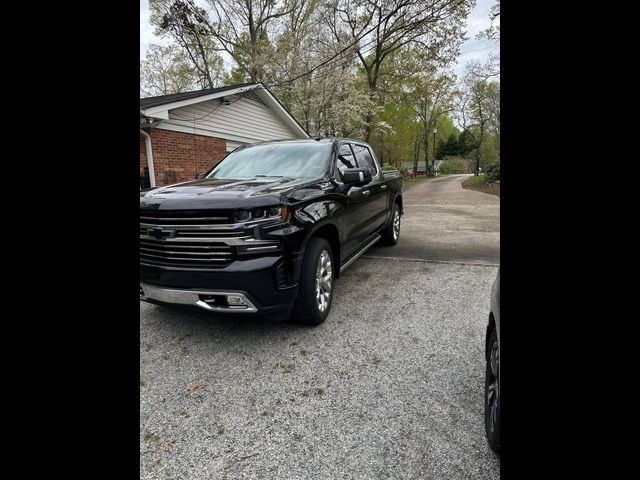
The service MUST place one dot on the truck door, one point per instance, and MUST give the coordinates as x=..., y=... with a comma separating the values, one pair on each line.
x=376, y=206
x=354, y=219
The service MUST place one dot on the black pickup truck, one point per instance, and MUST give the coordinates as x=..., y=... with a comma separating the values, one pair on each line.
x=268, y=229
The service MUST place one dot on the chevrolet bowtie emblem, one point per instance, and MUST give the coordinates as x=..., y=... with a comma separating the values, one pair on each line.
x=161, y=233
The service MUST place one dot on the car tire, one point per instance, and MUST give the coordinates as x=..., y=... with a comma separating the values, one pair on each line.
x=391, y=233
x=492, y=393
x=317, y=279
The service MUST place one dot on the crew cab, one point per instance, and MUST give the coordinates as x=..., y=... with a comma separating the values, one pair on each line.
x=269, y=229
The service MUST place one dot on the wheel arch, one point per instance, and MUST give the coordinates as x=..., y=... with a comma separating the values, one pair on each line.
x=329, y=232
x=398, y=200
x=491, y=326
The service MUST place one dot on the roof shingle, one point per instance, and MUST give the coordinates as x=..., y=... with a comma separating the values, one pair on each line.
x=150, y=102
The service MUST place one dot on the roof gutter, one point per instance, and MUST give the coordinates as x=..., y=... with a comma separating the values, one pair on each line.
x=152, y=173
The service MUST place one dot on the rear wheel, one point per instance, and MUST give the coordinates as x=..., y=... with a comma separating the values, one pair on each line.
x=391, y=234
x=492, y=394
x=316, y=284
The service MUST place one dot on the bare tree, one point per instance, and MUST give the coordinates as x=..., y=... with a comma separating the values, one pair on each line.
x=242, y=29
x=493, y=32
x=180, y=21
x=382, y=27
x=165, y=70
x=433, y=97
x=479, y=110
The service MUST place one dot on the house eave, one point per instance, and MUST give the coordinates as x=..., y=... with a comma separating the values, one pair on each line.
x=161, y=112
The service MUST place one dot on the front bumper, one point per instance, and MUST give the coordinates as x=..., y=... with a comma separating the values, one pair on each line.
x=212, y=300
x=263, y=284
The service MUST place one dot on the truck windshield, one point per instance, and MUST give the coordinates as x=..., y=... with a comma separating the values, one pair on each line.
x=297, y=160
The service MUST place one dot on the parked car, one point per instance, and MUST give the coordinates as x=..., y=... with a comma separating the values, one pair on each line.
x=412, y=172
x=492, y=376
x=269, y=229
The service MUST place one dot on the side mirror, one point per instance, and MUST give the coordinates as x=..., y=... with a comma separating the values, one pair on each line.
x=200, y=175
x=356, y=176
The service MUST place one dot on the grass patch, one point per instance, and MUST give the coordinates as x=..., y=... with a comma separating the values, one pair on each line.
x=319, y=391
x=151, y=438
x=478, y=183
x=414, y=180
x=475, y=180
x=286, y=367
x=141, y=382
x=376, y=360
x=303, y=352
x=220, y=430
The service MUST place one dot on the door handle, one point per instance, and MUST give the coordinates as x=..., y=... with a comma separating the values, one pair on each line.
x=366, y=192
x=383, y=187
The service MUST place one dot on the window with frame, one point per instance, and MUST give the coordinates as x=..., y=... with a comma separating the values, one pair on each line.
x=345, y=159
x=365, y=159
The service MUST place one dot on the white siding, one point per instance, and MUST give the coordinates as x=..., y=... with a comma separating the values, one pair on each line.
x=231, y=145
x=245, y=120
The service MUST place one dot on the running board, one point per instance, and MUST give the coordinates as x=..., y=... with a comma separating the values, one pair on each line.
x=357, y=255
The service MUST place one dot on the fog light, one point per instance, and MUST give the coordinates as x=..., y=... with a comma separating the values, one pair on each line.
x=235, y=300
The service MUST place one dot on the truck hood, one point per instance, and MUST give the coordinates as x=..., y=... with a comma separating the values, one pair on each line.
x=222, y=193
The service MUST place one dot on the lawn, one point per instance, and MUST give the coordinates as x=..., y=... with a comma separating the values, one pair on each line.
x=414, y=180
x=479, y=184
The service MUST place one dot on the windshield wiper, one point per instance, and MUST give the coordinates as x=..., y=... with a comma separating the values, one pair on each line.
x=275, y=176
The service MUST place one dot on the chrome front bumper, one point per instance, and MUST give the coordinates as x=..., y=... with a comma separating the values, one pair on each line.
x=206, y=299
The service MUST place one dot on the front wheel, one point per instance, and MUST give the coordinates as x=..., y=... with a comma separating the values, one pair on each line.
x=316, y=284
x=492, y=394
x=391, y=234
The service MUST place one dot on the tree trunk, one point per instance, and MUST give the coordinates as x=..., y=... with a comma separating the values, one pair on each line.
x=372, y=80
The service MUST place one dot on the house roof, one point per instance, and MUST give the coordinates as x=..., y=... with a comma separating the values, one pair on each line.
x=158, y=107
x=150, y=102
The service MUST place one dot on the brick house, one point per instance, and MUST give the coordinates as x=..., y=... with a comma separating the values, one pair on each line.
x=184, y=134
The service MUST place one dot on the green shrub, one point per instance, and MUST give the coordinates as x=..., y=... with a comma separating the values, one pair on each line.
x=404, y=172
x=493, y=172
x=453, y=165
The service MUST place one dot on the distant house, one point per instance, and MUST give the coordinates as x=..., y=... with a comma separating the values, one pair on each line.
x=185, y=134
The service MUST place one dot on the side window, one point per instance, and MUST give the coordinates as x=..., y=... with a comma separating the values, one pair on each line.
x=345, y=158
x=364, y=158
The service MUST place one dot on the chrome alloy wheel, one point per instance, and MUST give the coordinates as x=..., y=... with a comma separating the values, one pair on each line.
x=493, y=388
x=396, y=223
x=323, y=280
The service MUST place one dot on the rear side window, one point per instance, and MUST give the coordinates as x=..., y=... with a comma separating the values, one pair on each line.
x=365, y=160
x=346, y=158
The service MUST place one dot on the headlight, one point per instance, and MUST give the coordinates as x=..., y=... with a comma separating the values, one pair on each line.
x=263, y=213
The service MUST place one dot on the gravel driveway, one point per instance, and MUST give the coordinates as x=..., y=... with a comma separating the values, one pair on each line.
x=390, y=386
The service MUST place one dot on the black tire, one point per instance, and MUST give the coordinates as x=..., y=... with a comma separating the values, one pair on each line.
x=491, y=399
x=388, y=236
x=307, y=309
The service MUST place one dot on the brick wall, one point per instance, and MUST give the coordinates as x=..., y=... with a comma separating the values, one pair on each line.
x=178, y=156
x=143, y=154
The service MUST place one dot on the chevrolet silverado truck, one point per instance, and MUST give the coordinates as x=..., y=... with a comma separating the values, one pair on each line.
x=269, y=229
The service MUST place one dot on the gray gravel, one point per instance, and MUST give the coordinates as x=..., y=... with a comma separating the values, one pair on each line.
x=390, y=386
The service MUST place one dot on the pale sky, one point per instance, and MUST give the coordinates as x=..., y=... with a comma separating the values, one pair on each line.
x=471, y=50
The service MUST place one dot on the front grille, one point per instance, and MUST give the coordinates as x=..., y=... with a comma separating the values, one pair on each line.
x=188, y=238
x=195, y=232
x=193, y=254
x=186, y=217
